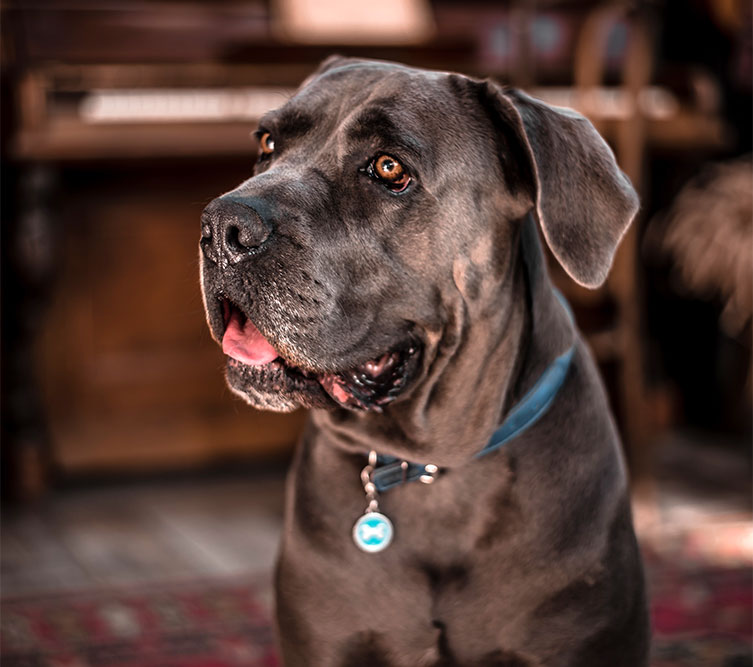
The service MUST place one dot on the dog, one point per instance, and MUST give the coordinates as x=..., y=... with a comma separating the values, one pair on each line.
x=383, y=268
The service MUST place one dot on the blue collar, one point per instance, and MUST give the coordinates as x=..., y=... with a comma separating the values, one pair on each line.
x=390, y=471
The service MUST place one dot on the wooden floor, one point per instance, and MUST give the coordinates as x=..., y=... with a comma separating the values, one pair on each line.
x=137, y=533
x=134, y=533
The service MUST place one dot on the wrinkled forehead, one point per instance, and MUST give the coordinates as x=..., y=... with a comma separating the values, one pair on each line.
x=391, y=102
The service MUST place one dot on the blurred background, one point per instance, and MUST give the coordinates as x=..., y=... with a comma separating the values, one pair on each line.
x=141, y=500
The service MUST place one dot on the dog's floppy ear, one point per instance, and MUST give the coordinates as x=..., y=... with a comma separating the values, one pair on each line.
x=583, y=201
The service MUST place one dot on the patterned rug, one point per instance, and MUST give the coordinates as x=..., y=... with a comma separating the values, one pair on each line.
x=702, y=615
x=221, y=623
x=702, y=618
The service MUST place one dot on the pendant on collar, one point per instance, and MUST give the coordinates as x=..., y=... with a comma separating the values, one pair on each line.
x=373, y=531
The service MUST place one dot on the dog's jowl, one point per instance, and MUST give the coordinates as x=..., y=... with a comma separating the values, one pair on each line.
x=459, y=496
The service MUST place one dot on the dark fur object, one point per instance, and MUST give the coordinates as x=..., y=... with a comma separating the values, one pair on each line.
x=527, y=556
x=708, y=234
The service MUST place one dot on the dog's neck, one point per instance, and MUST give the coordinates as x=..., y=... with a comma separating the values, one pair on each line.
x=452, y=413
x=551, y=328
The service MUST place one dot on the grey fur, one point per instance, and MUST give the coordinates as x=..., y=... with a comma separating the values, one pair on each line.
x=524, y=557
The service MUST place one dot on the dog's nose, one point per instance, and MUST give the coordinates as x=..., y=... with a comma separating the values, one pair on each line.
x=232, y=230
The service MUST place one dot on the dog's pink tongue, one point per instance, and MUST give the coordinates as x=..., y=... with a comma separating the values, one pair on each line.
x=245, y=343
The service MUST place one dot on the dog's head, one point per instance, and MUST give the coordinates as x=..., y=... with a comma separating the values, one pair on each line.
x=327, y=276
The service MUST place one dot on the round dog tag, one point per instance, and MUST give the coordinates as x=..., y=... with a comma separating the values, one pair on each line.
x=373, y=532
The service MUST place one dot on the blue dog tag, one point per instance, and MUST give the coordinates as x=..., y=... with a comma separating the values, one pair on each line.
x=373, y=532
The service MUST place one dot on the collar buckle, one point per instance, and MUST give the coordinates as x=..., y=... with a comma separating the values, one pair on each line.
x=430, y=474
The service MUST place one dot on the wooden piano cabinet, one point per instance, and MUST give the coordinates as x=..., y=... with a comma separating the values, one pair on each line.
x=131, y=378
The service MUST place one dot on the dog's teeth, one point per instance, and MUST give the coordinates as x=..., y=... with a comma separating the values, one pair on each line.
x=378, y=366
x=361, y=379
x=372, y=368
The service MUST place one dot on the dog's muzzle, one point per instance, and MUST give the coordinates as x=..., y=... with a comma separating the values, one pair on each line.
x=237, y=242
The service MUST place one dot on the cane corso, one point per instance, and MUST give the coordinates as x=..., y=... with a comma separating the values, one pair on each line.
x=459, y=495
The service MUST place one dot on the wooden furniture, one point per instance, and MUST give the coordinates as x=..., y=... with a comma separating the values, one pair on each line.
x=113, y=368
x=632, y=116
x=101, y=299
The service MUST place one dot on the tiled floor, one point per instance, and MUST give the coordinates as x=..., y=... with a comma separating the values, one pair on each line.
x=700, y=502
x=136, y=533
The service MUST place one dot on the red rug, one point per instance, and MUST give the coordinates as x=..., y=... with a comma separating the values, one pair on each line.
x=208, y=624
x=702, y=618
x=702, y=615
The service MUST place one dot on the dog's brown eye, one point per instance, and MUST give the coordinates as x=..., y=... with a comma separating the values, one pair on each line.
x=388, y=168
x=390, y=172
x=267, y=144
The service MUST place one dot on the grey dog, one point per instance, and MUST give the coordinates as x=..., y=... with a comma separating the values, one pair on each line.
x=383, y=267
